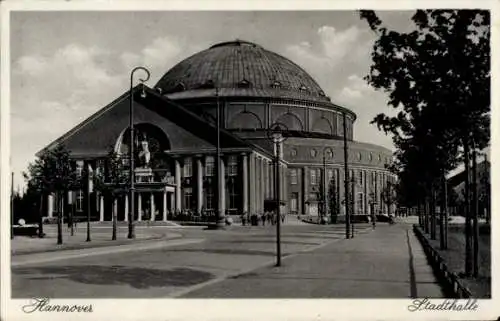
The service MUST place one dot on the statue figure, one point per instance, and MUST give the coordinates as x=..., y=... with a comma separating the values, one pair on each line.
x=144, y=154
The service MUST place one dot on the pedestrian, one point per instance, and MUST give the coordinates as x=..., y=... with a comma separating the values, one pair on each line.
x=263, y=217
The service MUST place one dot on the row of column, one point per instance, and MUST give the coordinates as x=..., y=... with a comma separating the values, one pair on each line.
x=198, y=186
x=354, y=189
x=261, y=182
x=50, y=207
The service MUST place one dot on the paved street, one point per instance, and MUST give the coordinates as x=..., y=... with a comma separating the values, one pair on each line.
x=237, y=262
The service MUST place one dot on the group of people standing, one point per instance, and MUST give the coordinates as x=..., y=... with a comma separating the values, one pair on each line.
x=268, y=218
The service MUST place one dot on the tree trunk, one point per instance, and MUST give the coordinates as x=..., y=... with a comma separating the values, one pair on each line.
x=40, y=218
x=426, y=214
x=72, y=219
x=468, y=245
x=114, y=221
x=433, y=212
x=419, y=213
x=475, y=210
x=59, y=219
x=443, y=217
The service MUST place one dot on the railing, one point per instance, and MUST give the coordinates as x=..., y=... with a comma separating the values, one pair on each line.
x=450, y=280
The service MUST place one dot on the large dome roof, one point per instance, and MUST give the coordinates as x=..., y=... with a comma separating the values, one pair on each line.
x=240, y=69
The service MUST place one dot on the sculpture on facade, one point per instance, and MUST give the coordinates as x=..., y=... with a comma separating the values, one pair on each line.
x=144, y=154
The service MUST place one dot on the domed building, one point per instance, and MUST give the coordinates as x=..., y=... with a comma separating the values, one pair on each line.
x=176, y=137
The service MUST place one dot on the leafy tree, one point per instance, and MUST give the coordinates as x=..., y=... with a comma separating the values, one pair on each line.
x=438, y=77
x=112, y=181
x=52, y=172
x=388, y=196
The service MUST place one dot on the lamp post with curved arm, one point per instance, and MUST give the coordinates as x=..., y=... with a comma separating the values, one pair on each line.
x=131, y=232
x=275, y=135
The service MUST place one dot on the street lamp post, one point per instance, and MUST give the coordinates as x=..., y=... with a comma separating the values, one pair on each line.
x=131, y=232
x=275, y=134
x=346, y=182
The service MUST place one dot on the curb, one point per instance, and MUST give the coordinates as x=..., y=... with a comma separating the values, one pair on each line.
x=449, y=280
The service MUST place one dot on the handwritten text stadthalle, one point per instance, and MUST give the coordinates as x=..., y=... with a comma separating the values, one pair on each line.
x=445, y=305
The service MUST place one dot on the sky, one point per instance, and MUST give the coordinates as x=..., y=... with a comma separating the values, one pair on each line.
x=67, y=65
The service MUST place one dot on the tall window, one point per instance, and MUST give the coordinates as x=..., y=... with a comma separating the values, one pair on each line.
x=232, y=165
x=188, y=197
x=209, y=199
x=79, y=200
x=293, y=203
x=209, y=166
x=329, y=176
x=293, y=176
x=79, y=168
x=233, y=196
x=314, y=177
x=188, y=167
x=360, y=203
x=360, y=178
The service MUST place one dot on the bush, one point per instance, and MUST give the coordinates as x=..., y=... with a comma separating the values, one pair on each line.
x=49, y=220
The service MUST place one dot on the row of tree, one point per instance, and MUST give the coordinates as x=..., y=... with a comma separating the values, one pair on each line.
x=388, y=198
x=54, y=172
x=438, y=80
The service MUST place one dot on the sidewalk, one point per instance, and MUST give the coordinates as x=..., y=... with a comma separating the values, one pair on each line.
x=386, y=263
x=21, y=245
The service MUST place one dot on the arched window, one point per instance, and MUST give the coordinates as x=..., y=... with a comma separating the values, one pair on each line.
x=245, y=119
x=291, y=121
x=322, y=125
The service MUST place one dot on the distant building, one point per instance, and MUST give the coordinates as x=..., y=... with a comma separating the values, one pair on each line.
x=254, y=88
x=456, y=184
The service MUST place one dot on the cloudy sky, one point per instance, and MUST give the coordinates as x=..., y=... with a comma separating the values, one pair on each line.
x=67, y=65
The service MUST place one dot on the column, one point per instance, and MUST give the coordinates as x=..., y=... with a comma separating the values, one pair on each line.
x=262, y=184
x=258, y=179
x=366, y=191
x=172, y=201
x=251, y=187
x=223, y=188
x=50, y=205
x=199, y=185
x=164, y=206
x=139, y=207
x=126, y=208
x=101, y=208
x=152, y=206
x=244, y=161
x=178, y=205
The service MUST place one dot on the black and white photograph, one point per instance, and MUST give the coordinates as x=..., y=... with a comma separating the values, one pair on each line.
x=247, y=154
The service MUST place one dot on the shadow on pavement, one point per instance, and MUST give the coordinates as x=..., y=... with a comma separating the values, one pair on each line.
x=136, y=277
